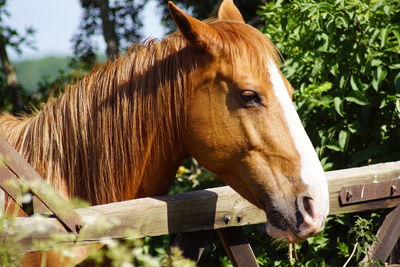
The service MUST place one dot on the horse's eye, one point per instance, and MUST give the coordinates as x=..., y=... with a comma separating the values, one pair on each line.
x=251, y=98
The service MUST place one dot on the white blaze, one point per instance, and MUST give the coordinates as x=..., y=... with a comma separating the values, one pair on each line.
x=312, y=173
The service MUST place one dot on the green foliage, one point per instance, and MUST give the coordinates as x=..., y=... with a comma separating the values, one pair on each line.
x=363, y=236
x=10, y=38
x=124, y=18
x=192, y=176
x=207, y=8
x=8, y=257
x=343, y=59
x=127, y=253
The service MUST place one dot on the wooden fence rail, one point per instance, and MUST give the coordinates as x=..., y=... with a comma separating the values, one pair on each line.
x=187, y=212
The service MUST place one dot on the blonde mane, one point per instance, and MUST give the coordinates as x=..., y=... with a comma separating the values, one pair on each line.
x=92, y=141
x=88, y=140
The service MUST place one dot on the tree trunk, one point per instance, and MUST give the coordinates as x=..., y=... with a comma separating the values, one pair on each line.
x=109, y=33
x=11, y=77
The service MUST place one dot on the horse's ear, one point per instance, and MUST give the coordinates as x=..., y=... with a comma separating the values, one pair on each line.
x=196, y=32
x=228, y=11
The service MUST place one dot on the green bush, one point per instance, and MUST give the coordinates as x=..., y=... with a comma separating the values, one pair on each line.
x=343, y=59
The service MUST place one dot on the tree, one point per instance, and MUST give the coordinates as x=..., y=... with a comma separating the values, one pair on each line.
x=109, y=31
x=10, y=39
x=11, y=82
x=117, y=21
x=207, y=8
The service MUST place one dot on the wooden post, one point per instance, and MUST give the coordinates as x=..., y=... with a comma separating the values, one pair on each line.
x=2, y=202
x=388, y=235
x=192, y=244
x=395, y=255
x=237, y=246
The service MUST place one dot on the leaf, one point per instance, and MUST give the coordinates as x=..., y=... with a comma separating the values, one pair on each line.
x=398, y=108
x=317, y=67
x=343, y=20
x=384, y=35
x=344, y=137
x=343, y=81
x=376, y=62
x=396, y=33
x=327, y=166
x=338, y=103
x=334, y=69
x=355, y=83
x=343, y=249
x=331, y=26
x=387, y=10
x=353, y=127
x=381, y=73
x=334, y=147
x=394, y=66
x=373, y=37
x=358, y=98
x=383, y=104
x=397, y=83
x=325, y=43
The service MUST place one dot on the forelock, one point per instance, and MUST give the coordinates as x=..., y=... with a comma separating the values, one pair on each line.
x=242, y=43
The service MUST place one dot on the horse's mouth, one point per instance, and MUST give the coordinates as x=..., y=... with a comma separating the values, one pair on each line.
x=283, y=235
x=279, y=227
x=291, y=231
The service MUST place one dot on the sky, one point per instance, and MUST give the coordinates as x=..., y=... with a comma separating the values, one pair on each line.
x=55, y=21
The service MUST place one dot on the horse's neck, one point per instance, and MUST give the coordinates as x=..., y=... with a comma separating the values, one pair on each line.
x=151, y=174
x=80, y=159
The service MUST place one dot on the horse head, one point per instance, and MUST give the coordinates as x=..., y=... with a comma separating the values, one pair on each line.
x=240, y=123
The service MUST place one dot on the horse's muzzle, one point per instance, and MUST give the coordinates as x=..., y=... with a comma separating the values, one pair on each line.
x=295, y=228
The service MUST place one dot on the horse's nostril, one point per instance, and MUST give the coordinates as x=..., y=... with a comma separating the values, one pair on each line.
x=309, y=219
x=308, y=204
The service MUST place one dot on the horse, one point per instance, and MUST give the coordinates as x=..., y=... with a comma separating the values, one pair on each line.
x=213, y=91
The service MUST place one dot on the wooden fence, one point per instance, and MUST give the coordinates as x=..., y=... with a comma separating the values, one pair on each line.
x=351, y=190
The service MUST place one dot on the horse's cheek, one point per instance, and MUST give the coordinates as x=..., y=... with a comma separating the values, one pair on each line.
x=209, y=137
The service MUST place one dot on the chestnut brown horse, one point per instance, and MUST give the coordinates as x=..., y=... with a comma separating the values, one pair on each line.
x=213, y=91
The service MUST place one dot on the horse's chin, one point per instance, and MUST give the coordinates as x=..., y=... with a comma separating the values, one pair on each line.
x=286, y=236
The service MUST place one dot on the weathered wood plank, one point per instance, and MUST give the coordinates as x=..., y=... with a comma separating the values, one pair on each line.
x=193, y=211
x=2, y=203
x=7, y=183
x=237, y=247
x=371, y=191
x=394, y=257
x=44, y=191
x=388, y=235
x=357, y=176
